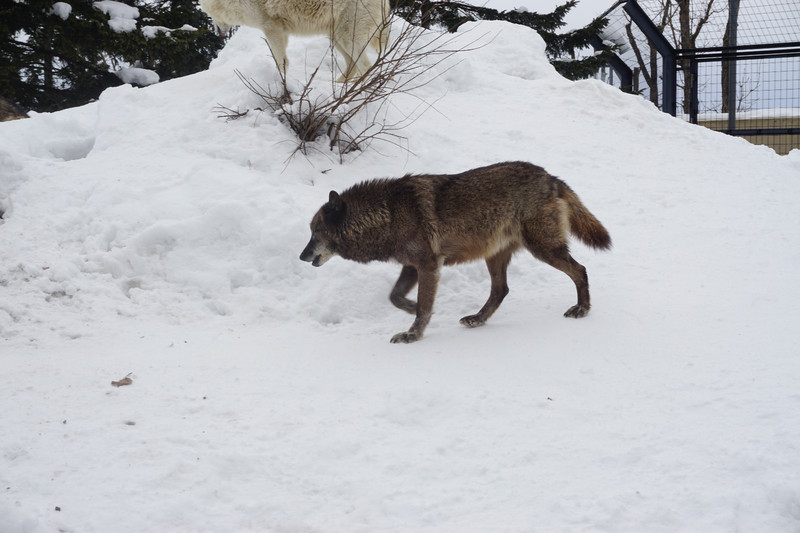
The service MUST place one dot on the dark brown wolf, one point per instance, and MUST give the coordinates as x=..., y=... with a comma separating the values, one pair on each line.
x=427, y=221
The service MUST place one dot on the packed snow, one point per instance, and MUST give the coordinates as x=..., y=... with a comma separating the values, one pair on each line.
x=145, y=236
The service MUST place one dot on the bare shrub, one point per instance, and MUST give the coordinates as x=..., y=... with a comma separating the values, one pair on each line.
x=349, y=116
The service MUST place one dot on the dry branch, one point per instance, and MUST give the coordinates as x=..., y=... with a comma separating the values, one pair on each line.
x=355, y=113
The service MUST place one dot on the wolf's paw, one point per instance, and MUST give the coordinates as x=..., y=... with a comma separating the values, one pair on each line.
x=472, y=321
x=406, y=337
x=577, y=311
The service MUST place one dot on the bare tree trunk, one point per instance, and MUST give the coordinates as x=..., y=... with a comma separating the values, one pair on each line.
x=674, y=20
x=648, y=66
x=47, y=67
x=685, y=36
x=650, y=74
x=726, y=41
x=654, y=69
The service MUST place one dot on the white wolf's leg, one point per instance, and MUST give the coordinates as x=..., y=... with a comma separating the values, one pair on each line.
x=356, y=61
x=352, y=34
x=355, y=57
x=277, y=39
x=348, y=62
x=380, y=41
x=380, y=35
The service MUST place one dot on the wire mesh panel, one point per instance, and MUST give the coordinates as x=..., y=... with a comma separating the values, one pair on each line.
x=762, y=103
x=766, y=100
x=768, y=21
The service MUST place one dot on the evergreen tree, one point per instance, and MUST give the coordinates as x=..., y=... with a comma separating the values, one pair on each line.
x=55, y=54
x=176, y=52
x=560, y=47
x=46, y=61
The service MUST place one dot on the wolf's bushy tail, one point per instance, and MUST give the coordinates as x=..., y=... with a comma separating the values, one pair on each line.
x=582, y=223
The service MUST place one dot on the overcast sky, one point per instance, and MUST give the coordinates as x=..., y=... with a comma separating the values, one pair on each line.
x=578, y=17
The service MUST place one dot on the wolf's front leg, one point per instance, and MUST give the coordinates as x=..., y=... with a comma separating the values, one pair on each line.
x=428, y=282
x=277, y=39
x=406, y=282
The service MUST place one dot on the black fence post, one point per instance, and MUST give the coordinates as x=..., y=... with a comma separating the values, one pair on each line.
x=694, y=103
x=669, y=60
x=733, y=20
x=618, y=65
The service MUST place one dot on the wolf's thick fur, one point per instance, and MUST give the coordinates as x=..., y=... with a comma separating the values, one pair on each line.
x=352, y=25
x=427, y=221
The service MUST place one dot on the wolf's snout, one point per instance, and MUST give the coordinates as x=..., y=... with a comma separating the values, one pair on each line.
x=311, y=258
x=308, y=254
x=315, y=260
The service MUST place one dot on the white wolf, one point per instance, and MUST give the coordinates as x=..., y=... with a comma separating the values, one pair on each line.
x=351, y=25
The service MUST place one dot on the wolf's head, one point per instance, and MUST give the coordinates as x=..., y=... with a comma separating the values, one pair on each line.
x=323, y=244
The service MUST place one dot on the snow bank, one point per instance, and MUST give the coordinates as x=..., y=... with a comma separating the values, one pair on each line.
x=145, y=234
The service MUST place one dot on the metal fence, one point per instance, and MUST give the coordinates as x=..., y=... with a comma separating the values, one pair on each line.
x=742, y=78
x=748, y=91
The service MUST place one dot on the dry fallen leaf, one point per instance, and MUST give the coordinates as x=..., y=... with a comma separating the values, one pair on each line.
x=124, y=381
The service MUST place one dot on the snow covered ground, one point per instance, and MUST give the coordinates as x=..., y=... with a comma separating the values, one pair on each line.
x=144, y=235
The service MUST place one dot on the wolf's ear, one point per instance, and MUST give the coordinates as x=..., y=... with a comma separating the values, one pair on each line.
x=334, y=210
x=335, y=200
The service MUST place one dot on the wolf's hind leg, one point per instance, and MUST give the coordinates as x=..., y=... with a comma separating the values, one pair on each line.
x=349, y=41
x=406, y=282
x=561, y=259
x=498, y=265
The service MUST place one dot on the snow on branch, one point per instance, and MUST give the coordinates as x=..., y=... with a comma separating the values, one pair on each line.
x=121, y=17
x=61, y=10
